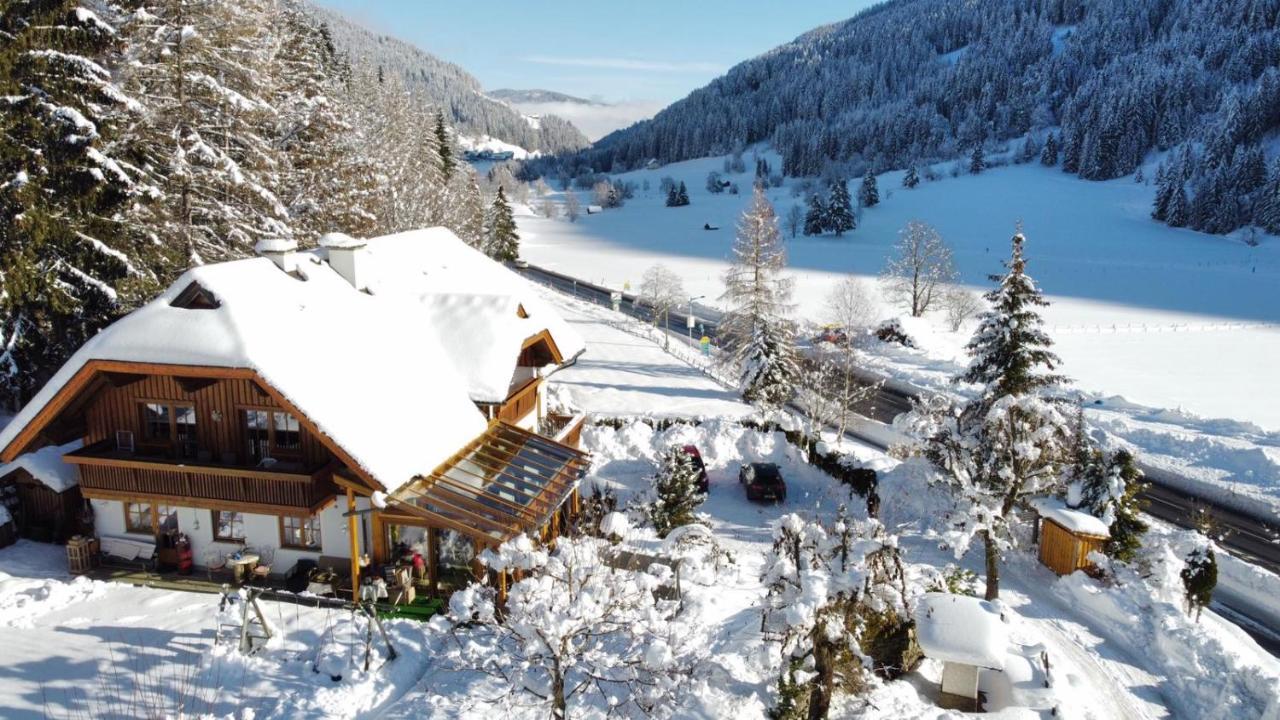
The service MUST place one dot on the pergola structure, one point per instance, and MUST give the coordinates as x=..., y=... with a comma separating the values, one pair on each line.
x=507, y=482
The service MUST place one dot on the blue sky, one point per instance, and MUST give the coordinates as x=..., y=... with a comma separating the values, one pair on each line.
x=652, y=51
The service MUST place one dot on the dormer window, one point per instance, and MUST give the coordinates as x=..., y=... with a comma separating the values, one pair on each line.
x=195, y=297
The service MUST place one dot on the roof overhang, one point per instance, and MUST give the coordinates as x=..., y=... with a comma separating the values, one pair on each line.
x=548, y=345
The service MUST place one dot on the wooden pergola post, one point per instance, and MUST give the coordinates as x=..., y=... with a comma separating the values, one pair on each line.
x=379, y=539
x=352, y=519
x=433, y=559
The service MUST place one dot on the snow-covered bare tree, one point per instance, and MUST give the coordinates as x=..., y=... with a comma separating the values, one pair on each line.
x=662, y=291
x=959, y=305
x=572, y=207
x=1011, y=440
x=794, y=220
x=466, y=213
x=577, y=634
x=756, y=330
x=920, y=267
x=850, y=307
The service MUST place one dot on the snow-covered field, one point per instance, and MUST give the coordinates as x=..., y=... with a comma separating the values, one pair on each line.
x=1172, y=327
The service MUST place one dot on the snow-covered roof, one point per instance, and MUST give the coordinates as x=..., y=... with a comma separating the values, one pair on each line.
x=468, y=301
x=46, y=466
x=961, y=629
x=1077, y=521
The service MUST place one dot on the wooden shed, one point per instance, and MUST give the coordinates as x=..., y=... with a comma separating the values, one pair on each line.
x=41, y=493
x=1067, y=536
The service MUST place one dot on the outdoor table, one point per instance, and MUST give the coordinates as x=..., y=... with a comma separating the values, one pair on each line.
x=239, y=562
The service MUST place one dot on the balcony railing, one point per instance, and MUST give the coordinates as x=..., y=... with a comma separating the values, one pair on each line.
x=114, y=474
x=564, y=429
x=520, y=403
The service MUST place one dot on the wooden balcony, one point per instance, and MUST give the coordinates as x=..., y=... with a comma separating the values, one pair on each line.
x=286, y=488
x=520, y=403
x=564, y=429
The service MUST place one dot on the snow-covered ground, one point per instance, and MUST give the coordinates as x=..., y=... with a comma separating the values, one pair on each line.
x=1169, y=326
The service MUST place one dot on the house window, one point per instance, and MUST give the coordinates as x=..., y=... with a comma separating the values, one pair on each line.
x=173, y=425
x=138, y=519
x=228, y=526
x=300, y=532
x=271, y=433
x=166, y=519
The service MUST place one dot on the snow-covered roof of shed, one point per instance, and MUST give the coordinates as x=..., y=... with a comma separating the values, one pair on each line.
x=46, y=466
x=961, y=629
x=350, y=362
x=470, y=303
x=1077, y=521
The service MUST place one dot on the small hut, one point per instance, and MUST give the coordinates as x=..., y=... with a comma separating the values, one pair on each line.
x=42, y=494
x=1067, y=536
x=968, y=636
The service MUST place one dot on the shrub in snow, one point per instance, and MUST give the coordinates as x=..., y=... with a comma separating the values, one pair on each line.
x=596, y=505
x=578, y=633
x=827, y=586
x=1199, y=578
x=1010, y=440
x=676, y=495
x=890, y=331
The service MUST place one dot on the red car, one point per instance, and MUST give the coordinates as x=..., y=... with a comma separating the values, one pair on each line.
x=703, y=484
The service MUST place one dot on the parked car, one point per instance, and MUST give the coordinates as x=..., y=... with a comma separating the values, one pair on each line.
x=703, y=483
x=763, y=481
x=832, y=334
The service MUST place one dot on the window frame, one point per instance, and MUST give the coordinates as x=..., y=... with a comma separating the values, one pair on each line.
x=172, y=441
x=149, y=515
x=214, y=528
x=304, y=521
x=274, y=449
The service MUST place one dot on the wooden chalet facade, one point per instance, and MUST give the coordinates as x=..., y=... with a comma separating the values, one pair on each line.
x=220, y=454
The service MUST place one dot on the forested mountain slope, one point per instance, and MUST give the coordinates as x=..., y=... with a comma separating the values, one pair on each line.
x=448, y=86
x=912, y=81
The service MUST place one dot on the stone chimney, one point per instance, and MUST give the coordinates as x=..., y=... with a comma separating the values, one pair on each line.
x=279, y=251
x=345, y=256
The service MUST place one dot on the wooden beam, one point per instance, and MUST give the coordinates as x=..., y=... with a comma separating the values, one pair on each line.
x=379, y=539
x=192, y=502
x=75, y=458
x=119, y=379
x=352, y=520
x=191, y=385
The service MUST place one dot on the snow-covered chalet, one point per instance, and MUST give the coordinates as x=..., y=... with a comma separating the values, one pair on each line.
x=396, y=382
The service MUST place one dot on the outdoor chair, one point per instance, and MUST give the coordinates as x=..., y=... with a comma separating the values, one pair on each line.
x=262, y=570
x=214, y=562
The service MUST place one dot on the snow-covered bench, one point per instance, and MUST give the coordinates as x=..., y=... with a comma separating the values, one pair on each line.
x=128, y=551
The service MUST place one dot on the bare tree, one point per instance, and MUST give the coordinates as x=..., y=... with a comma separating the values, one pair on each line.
x=960, y=305
x=794, y=221
x=920, y=268
x=662, y=290
x=850, y=306
x=572, y=207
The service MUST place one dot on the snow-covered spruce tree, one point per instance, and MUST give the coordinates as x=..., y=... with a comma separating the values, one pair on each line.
x=1010, y=440
x=466, y=214
x=1120, y=508
x=868, y=193
x=682, y=195
x=840, y=217
x=815, y=218
x=824, y=584
x=911, y=178
x=72, y=257
x=203, y=72
x=920, y=268
x=977, y=160
x=504, y=241
x=756, y=330
x=444, y=146
x=577, y=635
x=1199, y=578
x=1049, y=155
x=676, y=495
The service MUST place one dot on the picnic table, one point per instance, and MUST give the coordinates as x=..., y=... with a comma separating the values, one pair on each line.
x=240, y=561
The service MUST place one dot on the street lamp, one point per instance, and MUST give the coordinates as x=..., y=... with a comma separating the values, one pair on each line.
x=689, y=319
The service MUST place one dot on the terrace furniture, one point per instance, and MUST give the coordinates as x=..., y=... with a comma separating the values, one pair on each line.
x=239, y=562
x=262, y=570
x=214, y=561
x=129, y=551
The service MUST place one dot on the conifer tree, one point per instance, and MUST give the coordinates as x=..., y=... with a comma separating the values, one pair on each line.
x=1122, y=509
x=445, y=147
x=977, y=160
x=1164, y=194
x=840, y=210
x=815, y=218
x=1049, y=155
x=756, y=329
x=1009, y=441
x=71, y=256
x=504, y=240
x=682, y=195
x=1199, y=579
x=673, y=197
x=676, y=495
x=469, y=212
x=868, y=193
x=911, y=178
x=1179, y=214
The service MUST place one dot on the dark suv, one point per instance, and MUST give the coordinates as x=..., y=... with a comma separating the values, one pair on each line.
x=763, y=482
